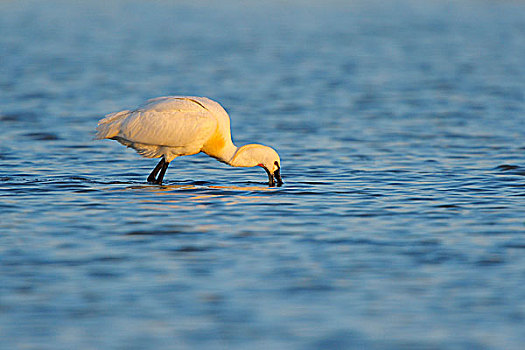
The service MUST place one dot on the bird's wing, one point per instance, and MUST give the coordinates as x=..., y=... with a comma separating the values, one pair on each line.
x=169, y=122
x=190, y=102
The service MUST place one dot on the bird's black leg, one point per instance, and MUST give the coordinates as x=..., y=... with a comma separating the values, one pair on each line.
x=153, y=174
x=162, y=172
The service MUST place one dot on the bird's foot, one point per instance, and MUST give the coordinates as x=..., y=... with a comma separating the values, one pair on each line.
x=154, y=182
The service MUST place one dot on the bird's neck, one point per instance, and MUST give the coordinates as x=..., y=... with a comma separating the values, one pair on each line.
x=227, y=153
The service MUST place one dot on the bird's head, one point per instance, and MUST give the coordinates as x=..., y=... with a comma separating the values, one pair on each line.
x=263, y=156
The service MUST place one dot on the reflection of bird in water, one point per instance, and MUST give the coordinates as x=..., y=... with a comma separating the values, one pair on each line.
x=174, y=126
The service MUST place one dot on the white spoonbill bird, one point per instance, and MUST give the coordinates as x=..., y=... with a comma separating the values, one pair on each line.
x=174, y=126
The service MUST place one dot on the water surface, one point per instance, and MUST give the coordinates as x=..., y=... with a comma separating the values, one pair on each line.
x=400, y=225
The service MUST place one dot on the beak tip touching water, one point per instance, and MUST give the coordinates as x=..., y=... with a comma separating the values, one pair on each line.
x=275, y=178
x=278, y=179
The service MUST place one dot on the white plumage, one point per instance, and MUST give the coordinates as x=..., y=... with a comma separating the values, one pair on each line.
x=174, y=126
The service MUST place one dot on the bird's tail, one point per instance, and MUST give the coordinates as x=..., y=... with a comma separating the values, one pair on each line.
x=110, y=126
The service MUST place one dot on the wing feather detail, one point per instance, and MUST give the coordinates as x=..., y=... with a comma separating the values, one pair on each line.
x=172, y=127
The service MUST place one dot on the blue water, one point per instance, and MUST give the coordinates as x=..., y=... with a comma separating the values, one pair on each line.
x=401, y=130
